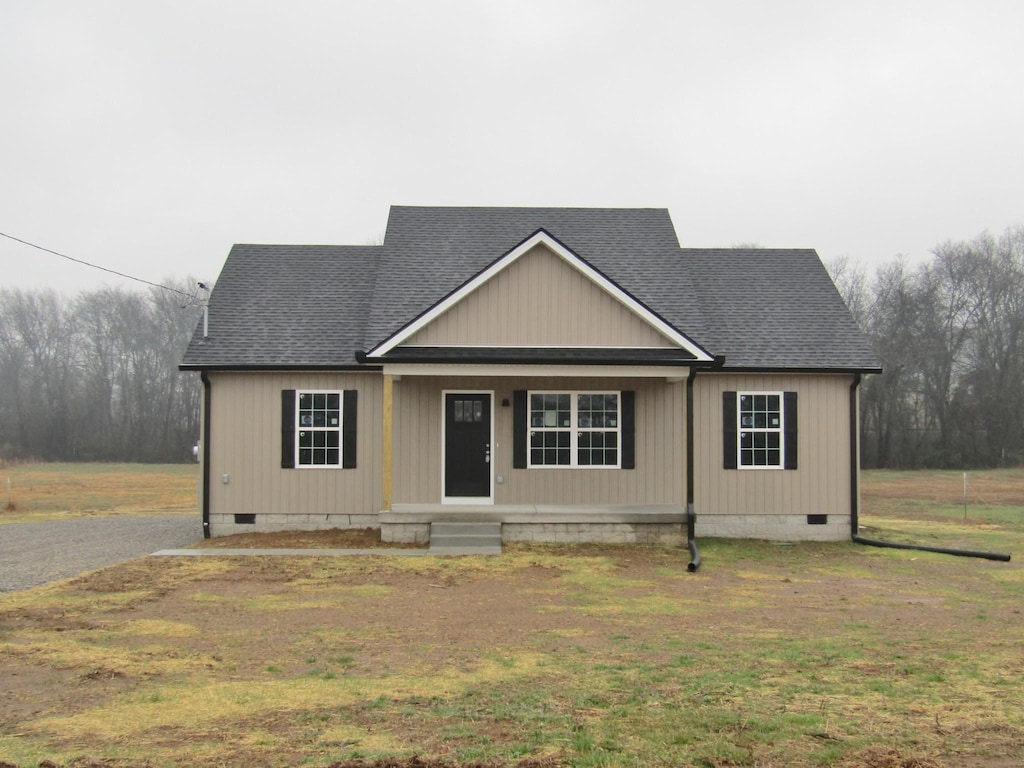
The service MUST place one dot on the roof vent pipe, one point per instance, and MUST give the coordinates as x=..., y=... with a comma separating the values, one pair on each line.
x=206, y=311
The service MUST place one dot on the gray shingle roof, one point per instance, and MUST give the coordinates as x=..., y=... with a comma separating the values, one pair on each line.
x=768, y=308
x=430, y=252
x=313, y=306
x=287, y=306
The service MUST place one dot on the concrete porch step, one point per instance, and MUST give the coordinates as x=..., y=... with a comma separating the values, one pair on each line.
x=465, y=538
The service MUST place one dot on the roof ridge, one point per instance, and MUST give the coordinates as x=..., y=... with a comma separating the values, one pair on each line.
x=529, y=208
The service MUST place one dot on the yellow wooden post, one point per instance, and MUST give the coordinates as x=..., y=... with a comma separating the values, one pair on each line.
x=386, y=449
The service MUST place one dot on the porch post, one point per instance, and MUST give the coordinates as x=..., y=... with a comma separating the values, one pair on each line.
x=386, y=443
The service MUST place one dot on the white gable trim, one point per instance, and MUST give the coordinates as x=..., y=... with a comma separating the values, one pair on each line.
x=570, y=258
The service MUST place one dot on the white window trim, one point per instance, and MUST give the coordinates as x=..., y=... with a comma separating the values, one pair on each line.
x=574, y=429
x=781, y=429
x=339, y=429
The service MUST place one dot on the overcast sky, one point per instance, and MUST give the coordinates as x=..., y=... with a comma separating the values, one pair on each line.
x=148, y=137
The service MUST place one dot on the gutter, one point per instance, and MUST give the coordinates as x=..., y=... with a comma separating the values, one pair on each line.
x=296, y=368
x=855, y=499
x=691, y=516
x=207, y=390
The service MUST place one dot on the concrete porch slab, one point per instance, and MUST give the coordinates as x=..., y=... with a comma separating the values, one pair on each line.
x=535, y=513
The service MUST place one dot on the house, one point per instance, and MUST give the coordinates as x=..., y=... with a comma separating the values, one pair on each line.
x=571, y=373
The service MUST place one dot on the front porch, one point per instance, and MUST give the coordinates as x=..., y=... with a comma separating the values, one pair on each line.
x=617, y=524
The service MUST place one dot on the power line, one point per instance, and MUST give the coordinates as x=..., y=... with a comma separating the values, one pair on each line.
x=191, y=297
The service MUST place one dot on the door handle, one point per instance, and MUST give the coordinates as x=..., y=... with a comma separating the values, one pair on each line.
x=487, y=454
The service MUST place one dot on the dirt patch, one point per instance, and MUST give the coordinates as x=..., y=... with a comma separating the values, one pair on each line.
x=416, y=762
x=335, y=538
x=412, y=762
x=888, y=757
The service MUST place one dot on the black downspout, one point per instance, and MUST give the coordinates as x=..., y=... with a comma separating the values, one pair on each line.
x=855, y=498
x=691, y=516
x=207, y=389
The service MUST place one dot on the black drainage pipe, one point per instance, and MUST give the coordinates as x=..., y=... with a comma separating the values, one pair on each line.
x=207, y=392
x=855, y=500
x=691, y=517
x=1002, y=557
x=691, y=524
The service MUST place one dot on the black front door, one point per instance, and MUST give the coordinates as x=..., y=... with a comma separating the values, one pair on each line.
x=467, y=445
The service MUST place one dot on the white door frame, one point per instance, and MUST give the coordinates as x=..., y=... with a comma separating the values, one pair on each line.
x=489, y=499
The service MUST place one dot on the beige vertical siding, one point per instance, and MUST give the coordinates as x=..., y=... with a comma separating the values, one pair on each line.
x=659, y=477
x=540, y=300
x=820, y=484
x=245, y=445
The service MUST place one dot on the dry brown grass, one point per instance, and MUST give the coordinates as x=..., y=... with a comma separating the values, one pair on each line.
x=55, y=491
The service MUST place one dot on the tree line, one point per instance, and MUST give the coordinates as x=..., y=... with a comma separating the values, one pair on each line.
x=95, y=377
x=949, y=334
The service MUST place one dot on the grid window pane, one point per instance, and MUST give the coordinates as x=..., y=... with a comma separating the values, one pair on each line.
x=597, y=449
x=319, y=421
x=760, y=423
x=586, y=425
x=549, y=448
x=550, y=411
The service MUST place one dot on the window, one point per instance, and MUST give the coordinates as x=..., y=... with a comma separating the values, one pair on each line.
x=318, y=428
x=318, y=437
x=759, y=430
x=467, y=411
x=574, y=429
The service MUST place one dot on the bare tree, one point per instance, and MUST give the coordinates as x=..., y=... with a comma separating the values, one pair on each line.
x=950, y=337
x=96, y=378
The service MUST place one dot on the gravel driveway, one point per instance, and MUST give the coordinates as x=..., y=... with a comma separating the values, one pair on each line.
x=36, y=553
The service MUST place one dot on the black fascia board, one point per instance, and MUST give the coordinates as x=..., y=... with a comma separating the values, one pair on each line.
x=534, y=356
x=256, y=367
x=799, y=370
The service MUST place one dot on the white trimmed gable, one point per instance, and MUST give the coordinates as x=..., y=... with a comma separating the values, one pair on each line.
x=540, y=294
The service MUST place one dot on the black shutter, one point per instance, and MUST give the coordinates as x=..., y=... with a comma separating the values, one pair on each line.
x=349, y=427
x=789, y=428
x=287, y=428
x=628, y=405
x=729, y=430
x=520, y=436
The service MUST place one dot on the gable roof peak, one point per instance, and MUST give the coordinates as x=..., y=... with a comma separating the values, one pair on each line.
x=539, y=238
